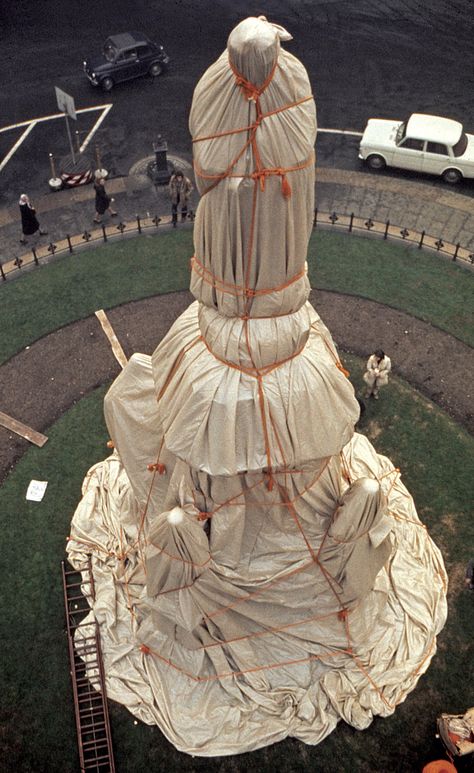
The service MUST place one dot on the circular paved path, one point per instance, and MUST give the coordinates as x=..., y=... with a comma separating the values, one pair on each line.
x=43, y=381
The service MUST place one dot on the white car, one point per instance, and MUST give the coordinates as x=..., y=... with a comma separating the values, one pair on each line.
x=424, y=143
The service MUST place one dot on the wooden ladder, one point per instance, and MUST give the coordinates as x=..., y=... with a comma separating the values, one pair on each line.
x=94, y=739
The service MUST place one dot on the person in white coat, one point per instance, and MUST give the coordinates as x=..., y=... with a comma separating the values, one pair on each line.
x=376, y=375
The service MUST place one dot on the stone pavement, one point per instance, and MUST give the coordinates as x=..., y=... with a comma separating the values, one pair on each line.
x=438, y=210
x=416, y=206
x=71, y=211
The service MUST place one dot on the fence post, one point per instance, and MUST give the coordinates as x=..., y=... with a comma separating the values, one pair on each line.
x=456, y=251
x=104, y=233
x=387, y=226
x=420, y=243
x=139, y=225
x=351, y=222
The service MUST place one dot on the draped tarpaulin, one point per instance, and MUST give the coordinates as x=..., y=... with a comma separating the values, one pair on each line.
x=260, y=570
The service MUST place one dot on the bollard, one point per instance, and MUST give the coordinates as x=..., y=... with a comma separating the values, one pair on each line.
x=139, y=225
x=351, y=222
x=2, y=272
x=104, y=233
x=35, y=257
x=420, y=243
x=315, y=219
x=387, y=226
x=99, y=172
x=55, y=182
x=456, y=251
x=69, y=242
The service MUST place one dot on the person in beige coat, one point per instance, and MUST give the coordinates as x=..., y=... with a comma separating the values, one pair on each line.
x=376, y=375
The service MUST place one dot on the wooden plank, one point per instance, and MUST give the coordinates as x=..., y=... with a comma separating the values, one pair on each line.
x=117, y=350
x=21, y=429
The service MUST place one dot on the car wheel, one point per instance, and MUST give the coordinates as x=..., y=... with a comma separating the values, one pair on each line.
x=376, y=162
x=107, y=84
x=156, y=69
x=452, y=176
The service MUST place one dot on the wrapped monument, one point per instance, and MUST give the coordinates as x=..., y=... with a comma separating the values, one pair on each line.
x=260, y=570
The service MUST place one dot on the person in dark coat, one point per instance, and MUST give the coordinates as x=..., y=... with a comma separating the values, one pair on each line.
x=102, y=201
x=29, y=221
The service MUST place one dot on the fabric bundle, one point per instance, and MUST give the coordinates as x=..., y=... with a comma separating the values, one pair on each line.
x=260, y=570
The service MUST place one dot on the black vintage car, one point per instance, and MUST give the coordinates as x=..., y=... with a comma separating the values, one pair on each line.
x=124, y=57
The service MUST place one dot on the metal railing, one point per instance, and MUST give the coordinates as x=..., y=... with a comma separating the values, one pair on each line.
x=386, y=230
x=342, y=222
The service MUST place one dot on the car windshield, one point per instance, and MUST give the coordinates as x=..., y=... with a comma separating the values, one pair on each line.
x=401, y=131
x=110, y=52
x=460, y=147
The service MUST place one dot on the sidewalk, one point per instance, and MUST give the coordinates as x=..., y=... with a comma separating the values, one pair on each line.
x=71, y=211
x=438, y=211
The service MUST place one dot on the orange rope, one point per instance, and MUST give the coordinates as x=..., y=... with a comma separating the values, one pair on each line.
x=236, y=290
x=254, y=372
x=176, y=365
x=213, y=677
x=179, y=558
x=279, y=629
x=259, y=591
x=374, y=685
x=251, y=126
x=257, y=175
x=250, y=91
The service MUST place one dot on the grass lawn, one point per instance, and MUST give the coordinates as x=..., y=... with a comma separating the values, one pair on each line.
x=38, y=732
x=73, y=287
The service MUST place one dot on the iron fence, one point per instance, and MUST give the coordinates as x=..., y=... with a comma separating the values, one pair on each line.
x=386, y=230
x=331, y=220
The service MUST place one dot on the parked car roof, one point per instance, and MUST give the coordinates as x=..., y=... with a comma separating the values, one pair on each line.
x=127, y=39
x=433, y=128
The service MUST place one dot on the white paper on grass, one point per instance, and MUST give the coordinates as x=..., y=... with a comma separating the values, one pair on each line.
x=36, y=489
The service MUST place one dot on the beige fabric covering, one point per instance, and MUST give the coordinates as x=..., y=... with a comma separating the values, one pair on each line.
x=269, y=575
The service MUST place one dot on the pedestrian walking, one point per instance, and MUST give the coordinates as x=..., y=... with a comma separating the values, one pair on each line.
x=29, y=221
x=102, y=200
x=180, y=188
x=376, y=374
